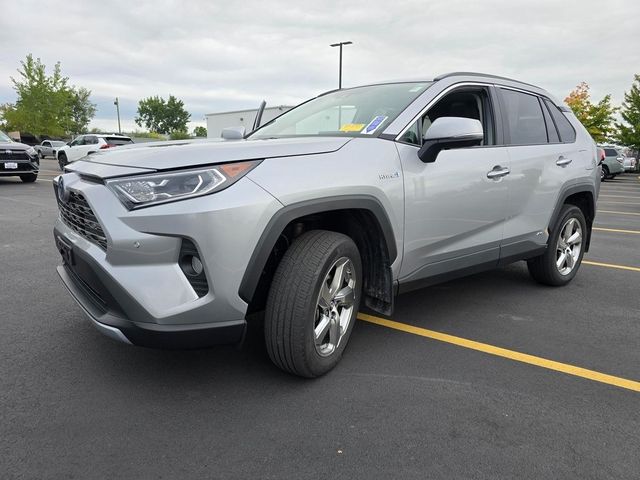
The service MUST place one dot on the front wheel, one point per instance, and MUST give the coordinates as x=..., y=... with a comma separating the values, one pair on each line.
x=313, y=303
x=560, y=262
x=62, y=161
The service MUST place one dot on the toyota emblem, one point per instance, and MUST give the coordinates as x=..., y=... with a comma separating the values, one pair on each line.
x=63, y=192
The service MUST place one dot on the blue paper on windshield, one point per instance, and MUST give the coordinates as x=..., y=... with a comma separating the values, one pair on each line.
x=373, y=125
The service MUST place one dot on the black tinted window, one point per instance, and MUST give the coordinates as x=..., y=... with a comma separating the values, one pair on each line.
x=566, y=131
x=115, y=141
x=524, y=118
x=610, y=152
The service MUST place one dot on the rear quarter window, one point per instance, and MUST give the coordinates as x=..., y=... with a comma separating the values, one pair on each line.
x=565, y=129
x=610, y=152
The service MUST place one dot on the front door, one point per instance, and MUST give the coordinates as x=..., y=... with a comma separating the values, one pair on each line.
x=455, y=207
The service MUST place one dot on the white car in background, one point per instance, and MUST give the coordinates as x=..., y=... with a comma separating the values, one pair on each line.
x=84, y=145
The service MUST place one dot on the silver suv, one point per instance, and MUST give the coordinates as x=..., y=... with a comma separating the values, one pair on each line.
x=346, y=200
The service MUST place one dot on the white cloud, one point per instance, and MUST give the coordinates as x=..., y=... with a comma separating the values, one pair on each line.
x=227, y=55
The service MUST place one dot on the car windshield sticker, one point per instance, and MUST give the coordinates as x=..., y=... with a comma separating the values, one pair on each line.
x=374, y=124
x=352, y=127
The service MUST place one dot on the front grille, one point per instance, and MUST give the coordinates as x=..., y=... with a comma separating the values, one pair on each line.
x=15, y=155
x=78, y=216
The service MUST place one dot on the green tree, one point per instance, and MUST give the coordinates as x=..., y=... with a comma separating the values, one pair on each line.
x=179, y=135
x=46, y=104
x=597, y=118
x=200, y=132
x=158, y=115
x=629, y=131
x=80, y=110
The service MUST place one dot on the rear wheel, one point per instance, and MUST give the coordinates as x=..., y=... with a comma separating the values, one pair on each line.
x=560, y=262
x=603, y=174
x=313, y=303
x=62, y=160
x=29, y=177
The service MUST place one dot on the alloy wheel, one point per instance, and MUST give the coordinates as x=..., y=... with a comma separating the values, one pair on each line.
x=569, y=246
x=334, y=308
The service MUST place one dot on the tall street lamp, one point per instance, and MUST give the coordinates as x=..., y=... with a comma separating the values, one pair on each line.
x=340, y=44
x=117, y=104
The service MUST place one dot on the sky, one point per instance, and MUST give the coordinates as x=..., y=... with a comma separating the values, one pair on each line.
x=220, y=55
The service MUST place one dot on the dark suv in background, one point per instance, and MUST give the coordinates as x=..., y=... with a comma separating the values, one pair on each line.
x=18, y=160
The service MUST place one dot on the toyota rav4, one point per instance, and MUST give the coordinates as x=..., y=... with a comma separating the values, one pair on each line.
x=345, y=201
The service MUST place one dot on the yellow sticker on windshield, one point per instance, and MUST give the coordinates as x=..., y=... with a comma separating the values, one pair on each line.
x=352, y=127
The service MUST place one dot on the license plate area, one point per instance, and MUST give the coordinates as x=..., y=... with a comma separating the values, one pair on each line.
x=10, y=165
x=66, y=251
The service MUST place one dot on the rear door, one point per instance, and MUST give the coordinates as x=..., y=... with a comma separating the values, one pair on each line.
x=541, y=164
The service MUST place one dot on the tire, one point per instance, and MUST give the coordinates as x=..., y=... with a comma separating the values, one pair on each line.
x=549, y=268
x=603, y=175
x=40, y=155
x=605, y=172
x=29, y=177
x=62, y=160
x=296, y=308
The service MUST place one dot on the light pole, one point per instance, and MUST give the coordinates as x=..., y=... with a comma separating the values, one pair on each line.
x=117, y=104
x=340, y=44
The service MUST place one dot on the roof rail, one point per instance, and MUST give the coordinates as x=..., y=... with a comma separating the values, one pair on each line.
x=477, y=74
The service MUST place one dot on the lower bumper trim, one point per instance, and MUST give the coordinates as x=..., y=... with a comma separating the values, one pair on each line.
x=153, y=335
x=111, y=332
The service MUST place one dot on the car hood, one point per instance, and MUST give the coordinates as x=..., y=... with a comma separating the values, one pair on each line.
x=168, y=155
x=13, y=146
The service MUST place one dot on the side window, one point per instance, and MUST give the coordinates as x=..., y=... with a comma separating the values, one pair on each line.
x=565, y=129
x=77, y=141
x=90, y=140
x=46, y=144
x=467, y=103
x=552, y=133
x=524, y=118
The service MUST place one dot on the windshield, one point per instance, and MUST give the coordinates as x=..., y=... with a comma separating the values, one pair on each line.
x=56, y=143
x=360, y=111
x=4, y=137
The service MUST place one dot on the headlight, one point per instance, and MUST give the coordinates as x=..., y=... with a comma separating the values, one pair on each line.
x=31, y=152
x=145, y=190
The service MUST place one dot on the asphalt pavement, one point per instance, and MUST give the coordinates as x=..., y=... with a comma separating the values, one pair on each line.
x=76, y=404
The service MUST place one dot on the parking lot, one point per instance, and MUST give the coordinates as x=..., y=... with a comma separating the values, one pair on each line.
x=490, y=376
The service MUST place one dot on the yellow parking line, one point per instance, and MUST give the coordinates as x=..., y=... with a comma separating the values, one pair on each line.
x=611, y=265
x=505, y=353
x=618, y=213
x=615, y=230
x=616, y=196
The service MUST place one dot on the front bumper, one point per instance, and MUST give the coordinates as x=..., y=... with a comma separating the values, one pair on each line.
x=135, y=290
x=23, y=167
x=110, y=323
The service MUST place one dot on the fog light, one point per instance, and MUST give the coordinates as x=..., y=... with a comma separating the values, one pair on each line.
x=192, y=267
x=196, y=265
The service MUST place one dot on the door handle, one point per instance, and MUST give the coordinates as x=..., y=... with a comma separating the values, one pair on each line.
x=498, y=172
x=563, y=161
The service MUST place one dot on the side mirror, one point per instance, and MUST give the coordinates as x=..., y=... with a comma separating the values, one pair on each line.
x=233, y=133
x=450, y=132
